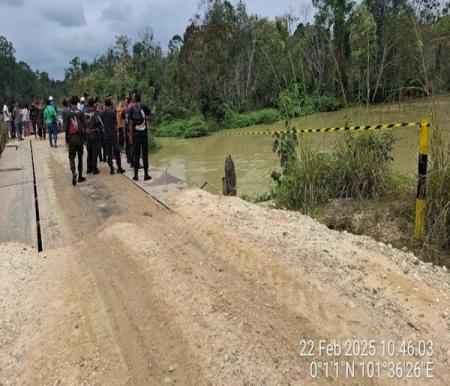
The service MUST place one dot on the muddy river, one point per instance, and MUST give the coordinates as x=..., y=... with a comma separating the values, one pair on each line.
x=201, y=160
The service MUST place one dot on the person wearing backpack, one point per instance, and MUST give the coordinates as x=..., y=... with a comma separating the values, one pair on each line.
x=137, y=116
x=108, y=120
x=51, y=123
x=74, y=126
x=93, y=128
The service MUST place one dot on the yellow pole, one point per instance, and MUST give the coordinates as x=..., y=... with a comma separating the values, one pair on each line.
x=424, y=140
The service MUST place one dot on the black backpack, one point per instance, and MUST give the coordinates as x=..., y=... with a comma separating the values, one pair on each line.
x=138, y=115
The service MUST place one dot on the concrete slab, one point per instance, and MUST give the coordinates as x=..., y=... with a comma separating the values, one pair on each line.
x=163, y=186
x=17, y=204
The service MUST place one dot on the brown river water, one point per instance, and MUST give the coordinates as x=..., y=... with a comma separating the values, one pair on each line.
x=201, y=160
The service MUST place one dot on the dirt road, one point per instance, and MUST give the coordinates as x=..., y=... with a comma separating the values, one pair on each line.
x=215, y=292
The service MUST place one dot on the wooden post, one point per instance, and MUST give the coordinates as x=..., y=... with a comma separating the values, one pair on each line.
x=229, y=181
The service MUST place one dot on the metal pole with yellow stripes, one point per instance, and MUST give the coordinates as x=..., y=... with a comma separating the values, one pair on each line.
x=424, y=140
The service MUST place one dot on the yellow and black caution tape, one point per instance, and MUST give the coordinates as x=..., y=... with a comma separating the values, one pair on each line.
x=325, y=129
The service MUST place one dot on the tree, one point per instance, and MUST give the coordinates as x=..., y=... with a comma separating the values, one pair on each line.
x=363, y=40
x=6, y=48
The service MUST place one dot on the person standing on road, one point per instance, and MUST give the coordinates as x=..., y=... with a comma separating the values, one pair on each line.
x=81, y=104
x=25, y=114
x=17, y=122
x=137, y=115
x=120, y=112
x=92, y=134
x=74, y=127
x=99, y=107
x=50, y=120
x=7, y=119
x=108, y=118
x=34, y=111
x=53, y=104
x=41, y=121
x=128, y=147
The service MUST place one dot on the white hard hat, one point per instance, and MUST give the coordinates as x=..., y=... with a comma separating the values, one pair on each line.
x=82, y=99
x=50, y=98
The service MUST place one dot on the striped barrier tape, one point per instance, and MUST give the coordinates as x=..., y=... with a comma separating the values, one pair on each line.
x=326, y=130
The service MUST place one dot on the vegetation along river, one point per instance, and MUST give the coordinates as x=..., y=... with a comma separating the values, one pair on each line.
x=202, y=160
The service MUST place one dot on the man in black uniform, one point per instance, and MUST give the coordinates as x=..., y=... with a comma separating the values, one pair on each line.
x=74, y=125
x=41, y=121
x=108, y=119
x=137, y=116
x=93, y=128
x=34, y=111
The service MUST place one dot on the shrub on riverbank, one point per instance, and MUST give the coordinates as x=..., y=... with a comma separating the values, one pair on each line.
x=438, y=192
x=357, y=175
x=184, y=128
x=233, y=120
x=293, y=105
x=358, y=168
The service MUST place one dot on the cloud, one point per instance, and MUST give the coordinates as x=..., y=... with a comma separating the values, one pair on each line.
x=71, y=15
x=115, y=11
x=12, y=3
x=86, y=29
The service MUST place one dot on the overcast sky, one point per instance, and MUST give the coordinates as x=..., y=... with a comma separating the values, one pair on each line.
x=47, y=34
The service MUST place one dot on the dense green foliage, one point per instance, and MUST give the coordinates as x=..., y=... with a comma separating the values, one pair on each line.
x=293, y=104
x=233, y=120
x=230, y=63
x=186, y=128
x=358, y=168
x=19, y=82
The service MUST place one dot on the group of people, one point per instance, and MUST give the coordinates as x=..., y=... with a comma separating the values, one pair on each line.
x=38, y=118
x=104, y=129
x=101, y=127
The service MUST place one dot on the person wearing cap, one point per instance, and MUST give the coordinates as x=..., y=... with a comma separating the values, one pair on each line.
x=50, y=121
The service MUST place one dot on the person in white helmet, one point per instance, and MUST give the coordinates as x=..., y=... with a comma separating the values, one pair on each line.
x=52, y=103
x=81, y=104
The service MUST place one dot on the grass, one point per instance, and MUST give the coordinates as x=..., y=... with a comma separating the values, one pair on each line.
x=438, y=193
x=358, y=168
x=353, y=188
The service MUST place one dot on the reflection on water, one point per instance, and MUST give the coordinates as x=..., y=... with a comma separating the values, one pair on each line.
x=202, y=160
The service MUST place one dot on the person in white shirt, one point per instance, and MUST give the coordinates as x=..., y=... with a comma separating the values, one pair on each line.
x=7, y=119
x=81, y=104
x=25, y=119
